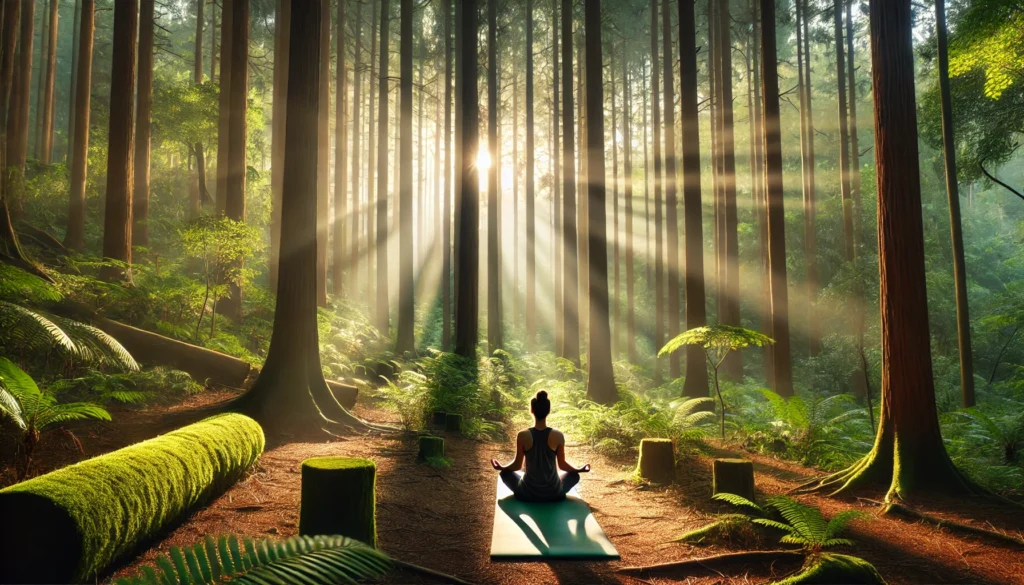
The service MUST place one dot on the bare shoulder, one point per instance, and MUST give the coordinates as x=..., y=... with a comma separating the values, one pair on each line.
x=524, y=439
x=557, y=438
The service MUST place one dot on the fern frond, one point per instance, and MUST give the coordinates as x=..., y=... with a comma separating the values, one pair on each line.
x=840, y=521
x=25, y=327
x=55, y=414
x=830, y=542
x=805, y=520
x=739, y=502
x=767, y=522
x=314, y=560
x=100, y=342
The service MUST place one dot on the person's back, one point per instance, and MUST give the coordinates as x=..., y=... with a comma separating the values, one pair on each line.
x=542, y=448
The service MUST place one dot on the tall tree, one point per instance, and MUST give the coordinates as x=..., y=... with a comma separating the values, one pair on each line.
x=371, y=161
x=404, y=342
x=783, y=369
x=627, y=172
x=213, y=40
x=291, y=392
x=357, y=92
x=468, y=214
x=963, y=320
x=446, y=215
x=75, y=236
x=531, y=219
x=382, y=317
x=277, y=130
x=614, y=204
x=143, y=125
x=570, y=348
x=323, y=132
x=73, y=87
x=223, y=148
x=659, y=268
x=854, y=146
x=671, y=204
x=197, y=53
x=849, y=248
x=696, y=380
x=600, y=374
x=733, y=366
x=807, y=165
x=9, y=244
x=46, y=137
x=908, y=454
x=195, y=199
x=117, y=220
x=234, y=196
x=494, y=329
x=556, y=196
x=17, y=115
x=338, y=256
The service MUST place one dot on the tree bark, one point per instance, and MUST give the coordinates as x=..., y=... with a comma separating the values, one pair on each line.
x=223, y=146
x=849, y=248
x=338, y=253
x=277, y=132
x=72, y=88
x=143, y=124
x=18, y=117
x=446, y=216
x=696, y=381
x=963, y=320
x=323, y=132
x=733, y=365
x=404, y=341
x=9, y=244
x=117, y=223
x=46, y=144
x=494, y=329
x=858, y=231
x=197, y=53
x=671, y=204
x=570, y=348
x=195, y=199
x=371, y=195
x=807, y=163
x=468, y=218
x=382, y=316
x=556, y=178
x=783, y=370
x=614, y=205
x=531, y=217
x=213, y=40
x=357, y=93
x=600, y=375
x=234, y=197
x=659, y=269
x=627, y=172
x=75, y=236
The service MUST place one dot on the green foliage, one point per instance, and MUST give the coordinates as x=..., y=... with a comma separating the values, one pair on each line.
x=740, y=502
x=835, y=569
x=311, y=560
x=806, y=527
x=719, y=339
x=101, y=509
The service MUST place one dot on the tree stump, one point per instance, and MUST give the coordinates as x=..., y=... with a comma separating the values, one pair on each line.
x=338, y=498
x=453, y=423
x=430, y=447
x=733, y=476
x=657, y=460
x=438, y=421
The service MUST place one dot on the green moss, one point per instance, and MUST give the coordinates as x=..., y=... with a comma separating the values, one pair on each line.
x=831, y=568
x=338, y=497
x=453, y=423
x=74, y=523
x=728, y=529
x=657, y=460
x=431, y=448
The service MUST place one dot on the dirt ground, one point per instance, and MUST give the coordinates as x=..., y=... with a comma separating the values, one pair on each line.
x=441, y=518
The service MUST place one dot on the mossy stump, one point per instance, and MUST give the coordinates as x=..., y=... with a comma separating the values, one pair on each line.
x=438, y=422
x=733, y=476
x=832, y=568
x=430, y=446
x=453, y=423
x=657, y=460
x=338, y=498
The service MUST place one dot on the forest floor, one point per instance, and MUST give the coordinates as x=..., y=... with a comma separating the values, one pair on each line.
x=441, y=518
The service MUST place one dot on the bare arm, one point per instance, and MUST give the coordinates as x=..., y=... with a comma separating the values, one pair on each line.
x=516, y=463
x=564, y=465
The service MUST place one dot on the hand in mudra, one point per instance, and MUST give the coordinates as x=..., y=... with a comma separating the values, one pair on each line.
x=585, y=468
x=496, y=465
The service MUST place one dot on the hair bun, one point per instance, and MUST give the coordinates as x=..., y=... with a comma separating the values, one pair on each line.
x=542, y=394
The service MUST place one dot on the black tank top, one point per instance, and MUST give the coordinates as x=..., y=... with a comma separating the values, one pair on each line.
x=541, y=480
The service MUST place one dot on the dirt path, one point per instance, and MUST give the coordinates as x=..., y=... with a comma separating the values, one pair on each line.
x=441, y=518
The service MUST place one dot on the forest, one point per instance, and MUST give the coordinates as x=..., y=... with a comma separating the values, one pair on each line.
x=291, y=291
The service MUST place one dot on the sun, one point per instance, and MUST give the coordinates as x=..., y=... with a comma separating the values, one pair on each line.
x=483, y=159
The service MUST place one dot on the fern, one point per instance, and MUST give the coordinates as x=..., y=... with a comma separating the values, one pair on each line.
x=739, y=502
x=309, y=560
x=805, y=526
x=37, y=331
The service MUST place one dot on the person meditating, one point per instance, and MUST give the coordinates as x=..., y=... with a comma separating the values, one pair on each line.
x=543, y=448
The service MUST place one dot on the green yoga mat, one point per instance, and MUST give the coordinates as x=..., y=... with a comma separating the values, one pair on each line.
x=527, y=531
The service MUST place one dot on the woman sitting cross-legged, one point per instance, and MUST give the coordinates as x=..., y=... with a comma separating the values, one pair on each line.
x=543, y=449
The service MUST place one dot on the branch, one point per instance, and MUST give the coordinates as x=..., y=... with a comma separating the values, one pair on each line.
x=981, y=165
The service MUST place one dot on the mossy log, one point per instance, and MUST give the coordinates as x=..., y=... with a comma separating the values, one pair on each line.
x=73, y=524
x=835, y=569
x=439, y=420
x=657, y=461
x=338, y=497
x=430, y=446
x=733, y=476
x=453, y=422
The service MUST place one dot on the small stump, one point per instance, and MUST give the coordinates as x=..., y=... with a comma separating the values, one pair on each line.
x=338, y=498
x=453, y=423
x=438, y=421
x=430, y=447
x=657, y=460
x=733, y=476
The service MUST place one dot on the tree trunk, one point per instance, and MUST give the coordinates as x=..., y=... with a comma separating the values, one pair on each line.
x=468, y=218
x=9, y=245
x=46, y=145
x=582, y=212
x=277, y=132
x=382, y=317
x=648, y=254
x=963, y=320
x=494, y=332
x=783, y=370
x=849, y=249
x=671, y=204
x=600, y=375
x=659, y=270
x=323, y=132
x=909, y=453
x=291, y=392
x=446, y=215
x=807, y=159
x=404, y=341
x=18, y=118
x=72, y=88
x=223, y=147
x=357, y=101
x=761, y=205
x=556, y=201
x=234, y=197
x=371, y=205
x=627, y=174
x=213, y=40
x=614, y=204
x=197, y=53
x=75, y=237
x=733, y=365
x=516, y=165
x=143, y=124
x=338, y=255
x=570, y=348
x=858, y=231
x=117, y=221
x=531, y=211
x=40, y=67
x=696, y=380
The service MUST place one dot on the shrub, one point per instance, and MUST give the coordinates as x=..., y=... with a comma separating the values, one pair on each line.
x=73, y=523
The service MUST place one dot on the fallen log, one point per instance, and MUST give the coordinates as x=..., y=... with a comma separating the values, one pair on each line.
x=152, y=349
